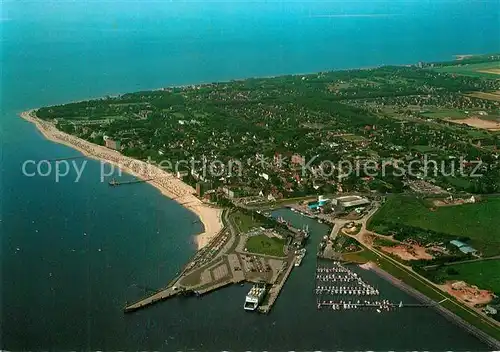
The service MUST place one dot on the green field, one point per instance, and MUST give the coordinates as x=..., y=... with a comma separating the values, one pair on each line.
x=445, y=114
x=472, y=69
x=244, y=222
x=384, y=242
x=484, y=274
x=478, y=221
x=459, y=183
x=353, y=138
x=423, y=148
x=263, y=244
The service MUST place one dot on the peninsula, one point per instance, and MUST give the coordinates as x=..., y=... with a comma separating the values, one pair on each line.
x=407, y=157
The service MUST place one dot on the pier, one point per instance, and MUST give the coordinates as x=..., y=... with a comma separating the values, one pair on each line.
x=114, y=182
x=384, y=304
x=275, y=290
x=225, y=261
x=159, y=296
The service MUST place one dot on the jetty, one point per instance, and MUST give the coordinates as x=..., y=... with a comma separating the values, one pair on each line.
x=370, y=304
x=114, y=182
x=275, y=289
x=225, y=261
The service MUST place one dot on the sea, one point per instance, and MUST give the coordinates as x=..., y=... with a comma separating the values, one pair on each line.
x=73, y=253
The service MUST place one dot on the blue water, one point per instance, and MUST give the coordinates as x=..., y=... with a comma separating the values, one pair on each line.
x=73, y=253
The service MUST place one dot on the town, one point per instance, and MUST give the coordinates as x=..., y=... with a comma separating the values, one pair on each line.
x=306, y=142
x=259, y=133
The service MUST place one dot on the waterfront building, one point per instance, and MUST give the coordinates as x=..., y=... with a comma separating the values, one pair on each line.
x=112, y=144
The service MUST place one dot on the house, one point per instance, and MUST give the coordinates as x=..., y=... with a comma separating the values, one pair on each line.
x=463, y=247
x=467, y=250
x=458, y=243
x=228, y=192
x=297, y=159
x=490, y=310
x=181, y=174
x=112, y=144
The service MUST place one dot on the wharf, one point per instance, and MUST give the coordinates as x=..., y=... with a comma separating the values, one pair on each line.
x=275, y=289
x=114, y=183
x=222, y=262
x=170, y=292
x=157, y=297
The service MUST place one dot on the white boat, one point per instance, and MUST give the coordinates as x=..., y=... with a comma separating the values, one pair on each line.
x=300, y=255
x=305, y=231
x=254, y=297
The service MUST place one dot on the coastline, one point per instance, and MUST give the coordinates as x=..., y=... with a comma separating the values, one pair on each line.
x=165, y=182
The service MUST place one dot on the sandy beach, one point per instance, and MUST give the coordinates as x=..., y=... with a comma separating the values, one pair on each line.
x=164, y=181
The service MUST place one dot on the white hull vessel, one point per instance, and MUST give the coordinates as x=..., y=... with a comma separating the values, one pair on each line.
x=254, y=297
x=300, y=255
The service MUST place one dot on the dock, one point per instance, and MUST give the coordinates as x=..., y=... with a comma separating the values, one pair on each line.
x=210, y=269
x=222, y=262
x=157, y=297
x=275, y=289
x=114, y=183
x=353, y=305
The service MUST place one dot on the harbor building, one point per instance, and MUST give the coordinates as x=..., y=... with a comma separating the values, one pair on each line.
x=348, y=202
x=463, y=247
x=321, y=202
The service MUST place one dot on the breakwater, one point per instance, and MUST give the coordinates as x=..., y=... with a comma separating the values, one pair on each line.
x=484, y=337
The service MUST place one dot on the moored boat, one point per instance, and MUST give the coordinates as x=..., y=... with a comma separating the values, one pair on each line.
x=254, y=297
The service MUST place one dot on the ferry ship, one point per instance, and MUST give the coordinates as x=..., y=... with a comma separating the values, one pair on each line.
x=254, y=297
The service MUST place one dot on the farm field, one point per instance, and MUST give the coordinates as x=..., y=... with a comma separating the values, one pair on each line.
x=495, y=96
x=483, y=274
x=479, y=221
x=263, y=244
x=486, y=124
x=487, y=69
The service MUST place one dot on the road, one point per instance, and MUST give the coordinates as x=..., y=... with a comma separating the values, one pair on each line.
x=340, y=223
x=464, y=261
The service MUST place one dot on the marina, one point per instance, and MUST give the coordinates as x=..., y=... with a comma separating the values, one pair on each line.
x=340, y=288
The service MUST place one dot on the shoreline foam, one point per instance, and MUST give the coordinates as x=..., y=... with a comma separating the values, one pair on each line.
x=165, y=182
